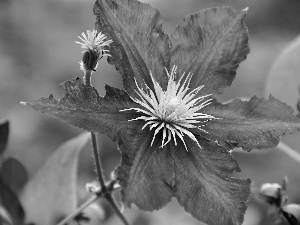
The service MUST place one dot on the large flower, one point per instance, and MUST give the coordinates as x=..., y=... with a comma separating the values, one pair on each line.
x=174, y=137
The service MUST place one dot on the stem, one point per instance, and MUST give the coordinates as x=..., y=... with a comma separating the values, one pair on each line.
x=98, y=163
x=107, y=194
x=111, y=201
x=87, y=77
x=79, y=210
x=289, y=151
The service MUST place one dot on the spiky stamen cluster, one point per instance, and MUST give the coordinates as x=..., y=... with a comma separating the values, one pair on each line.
x=173, y=111
x=93, y=44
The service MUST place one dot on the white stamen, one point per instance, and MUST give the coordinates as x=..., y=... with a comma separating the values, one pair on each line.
x=173, y=111
x=94, y=41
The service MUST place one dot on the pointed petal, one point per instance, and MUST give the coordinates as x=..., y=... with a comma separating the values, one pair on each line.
x=204, y=186
x=146, y=172
x=81, y=106
x=257, y=123
x=210, y=44
x=139, y=44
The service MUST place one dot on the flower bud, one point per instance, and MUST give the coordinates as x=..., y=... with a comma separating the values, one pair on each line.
x=271, y=193
x=293, y=211
x=90, y=60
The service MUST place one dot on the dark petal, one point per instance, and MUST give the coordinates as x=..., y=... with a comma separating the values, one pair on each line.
x=257, y=123
x=139, y=44
x=210, y=44
x=81, y=106
x=204, y=186
x=146, y=172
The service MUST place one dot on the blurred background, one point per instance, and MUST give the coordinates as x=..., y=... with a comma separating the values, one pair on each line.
x=38, y=52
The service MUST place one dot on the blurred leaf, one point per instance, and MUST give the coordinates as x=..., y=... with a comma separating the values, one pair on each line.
x=211, y=44
x=51, y=193
x=283, y=80
x=11, y=203
x=274, y=214
x=81, y=106
x=4, y=217
x=139, y=43
x=4, y=131
x=14, y=174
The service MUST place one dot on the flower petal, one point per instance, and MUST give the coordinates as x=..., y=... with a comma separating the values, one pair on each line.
x=139, y=44
x=210, y=44
x=146, y=172
x=204, y=186
x=257, y=123
x=82, y=107
x=199, y=178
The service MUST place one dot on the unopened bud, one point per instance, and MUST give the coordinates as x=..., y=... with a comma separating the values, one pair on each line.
x=271, y=193
x=293, y=210
x=90, y=60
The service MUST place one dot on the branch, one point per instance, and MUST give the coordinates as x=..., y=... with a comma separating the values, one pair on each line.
x=289, y=151
x=98, y=162
x=116, y=209
x=104, y=189
x=79, y=210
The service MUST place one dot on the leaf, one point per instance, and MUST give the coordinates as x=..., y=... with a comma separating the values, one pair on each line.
x=11, y=203
x=257, y=123
x=82, y=107
x=51, y=193
x=210, y=44
x=284, y=75
x=200, y=179
x=14, y=174
x=139, y=44
x=4, y=131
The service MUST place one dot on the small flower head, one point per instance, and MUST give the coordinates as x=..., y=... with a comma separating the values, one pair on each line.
x=173, y=111
x=94, y=41
x=93, y=44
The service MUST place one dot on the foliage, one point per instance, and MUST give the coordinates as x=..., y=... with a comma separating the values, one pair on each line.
x=284, y=75
x=12, y=176
x=59, y=173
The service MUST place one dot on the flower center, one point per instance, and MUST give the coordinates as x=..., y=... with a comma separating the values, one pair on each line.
x=174, y=111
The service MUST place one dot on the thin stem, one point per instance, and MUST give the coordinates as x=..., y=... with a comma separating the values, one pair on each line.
x=289, y=151
x=107, y=194
x=87, y=77
x=79, y=210
x=111, y=201
x=98, y=163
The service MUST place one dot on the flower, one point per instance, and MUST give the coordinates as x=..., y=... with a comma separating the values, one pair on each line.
x=160, y=105
x=173, y=111
x=94, y=49
x=94, y=41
